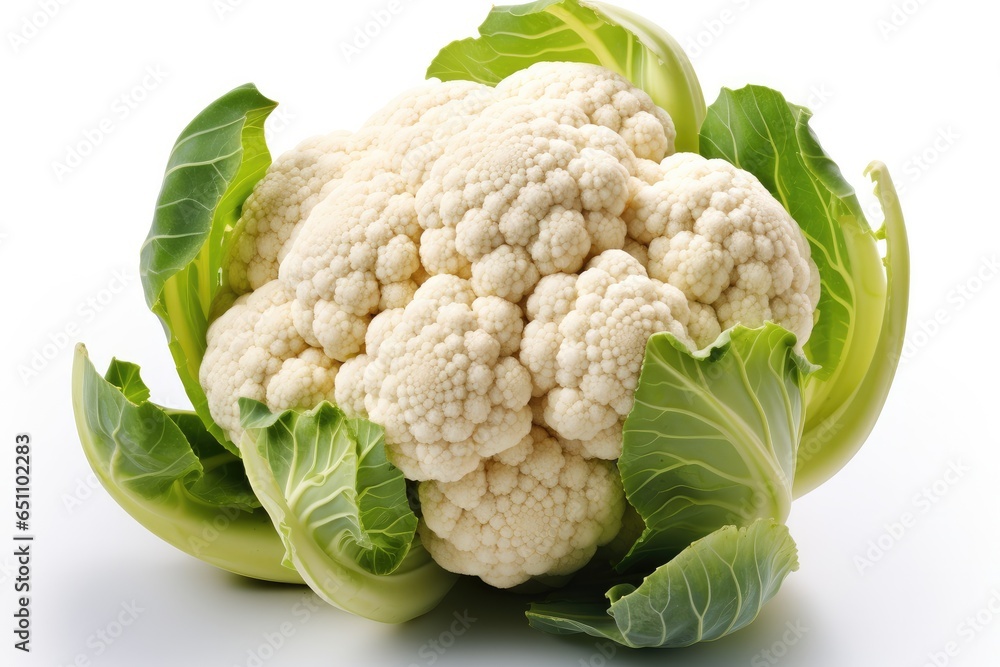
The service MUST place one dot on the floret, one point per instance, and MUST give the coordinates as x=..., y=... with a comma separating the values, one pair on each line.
x=715, y=233
x=274, y=211
x=356, y=256
x=585, y=343
x=608, y=100
x=253, y=351
x=537, y=185
x=534, y=509
x=444, y=381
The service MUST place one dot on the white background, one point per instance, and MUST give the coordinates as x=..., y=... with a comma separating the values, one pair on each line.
x=910, y=83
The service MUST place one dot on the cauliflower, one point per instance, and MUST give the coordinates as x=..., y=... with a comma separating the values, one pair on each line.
x=478, y=270
x=534, y=509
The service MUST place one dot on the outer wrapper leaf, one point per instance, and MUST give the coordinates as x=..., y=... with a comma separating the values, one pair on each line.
x=212, y=169
x=223, y=481
x=712, y=437
x=341, y=510
x=708, y=458
x=857, y=339
x=757, y=130
x=711, y=589
x=515, y=37
x=171, y=475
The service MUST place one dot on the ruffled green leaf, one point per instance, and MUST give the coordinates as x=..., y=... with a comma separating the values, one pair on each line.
x=712, y=437
x=341, y=510
x=212, y=169
x=711, y=589
x=165, y=469
x=125, y=376
x=862, y=310
x=515, y=37
x=223, y=480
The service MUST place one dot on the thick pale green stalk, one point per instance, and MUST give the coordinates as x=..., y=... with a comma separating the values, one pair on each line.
x=146, y=463
x=856, y=414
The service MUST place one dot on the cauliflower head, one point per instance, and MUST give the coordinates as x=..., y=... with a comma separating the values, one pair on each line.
x=478, y=270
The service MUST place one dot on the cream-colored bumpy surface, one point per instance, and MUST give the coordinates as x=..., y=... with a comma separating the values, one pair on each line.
x=478, y=270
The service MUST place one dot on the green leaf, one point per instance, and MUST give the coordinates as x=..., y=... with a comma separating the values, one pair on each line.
x=341, y=510
x=170, y=474
x=860, y=314
x=212, y=169
x=125, y=376
x=832, y=438
x=757, y=130
x=515, y=37
x=336, y=480
x=711, y=589
x=223, y=480
x=712, y=437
